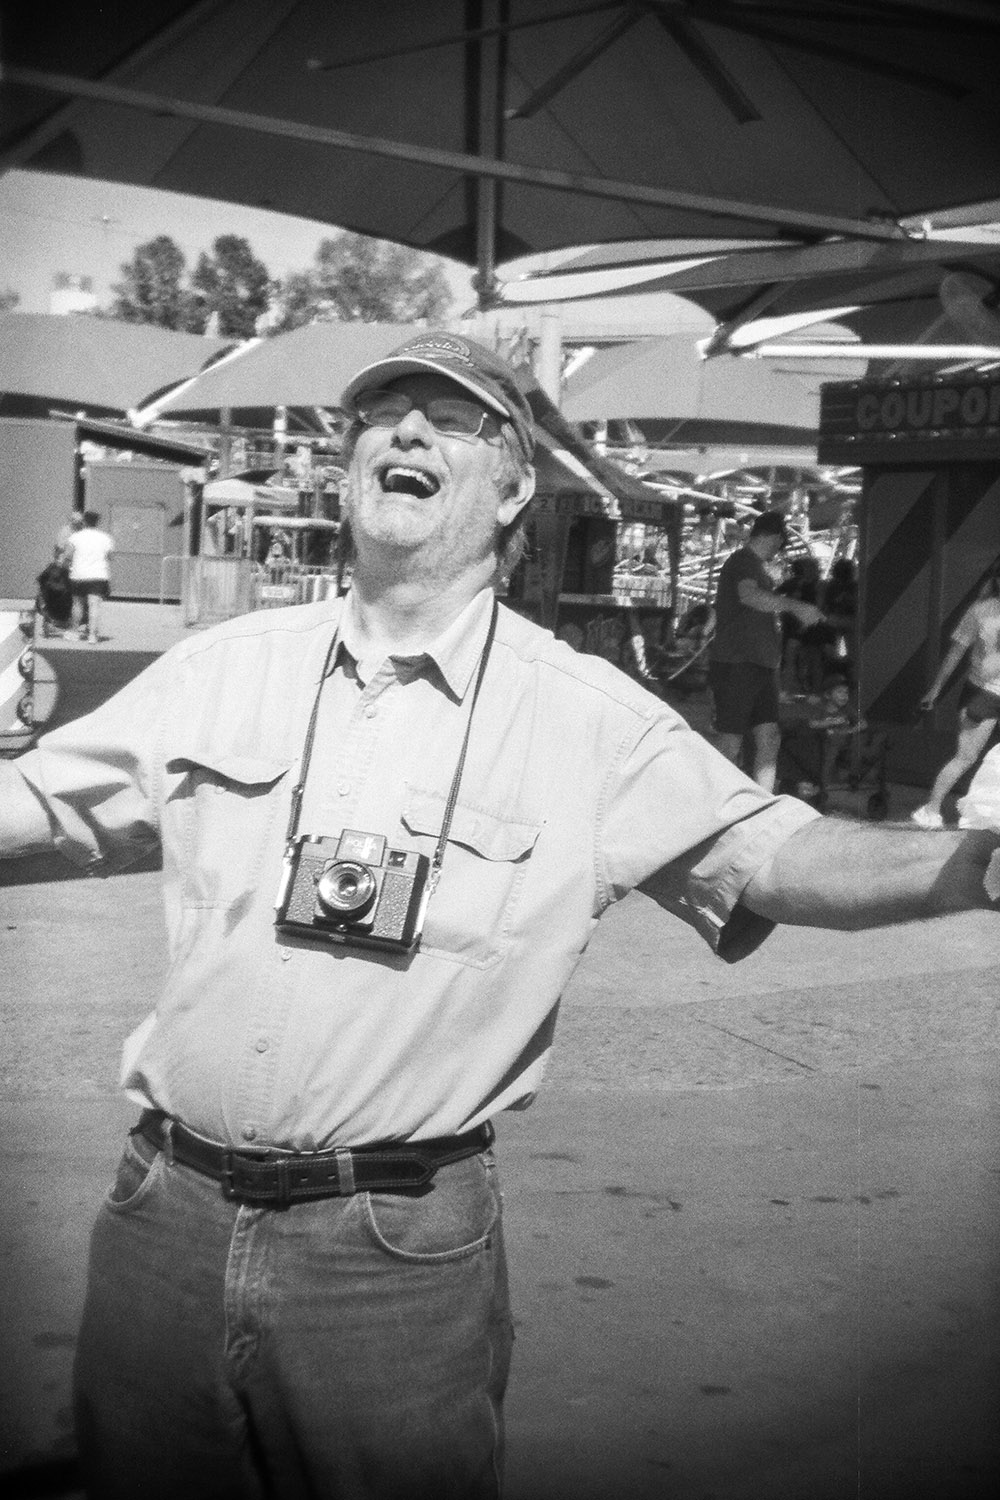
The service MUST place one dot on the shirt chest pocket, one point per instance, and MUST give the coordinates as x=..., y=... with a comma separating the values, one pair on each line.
x=471, y=915
x=229, y=814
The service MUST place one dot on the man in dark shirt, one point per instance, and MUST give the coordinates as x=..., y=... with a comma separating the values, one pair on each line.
x=745, y=655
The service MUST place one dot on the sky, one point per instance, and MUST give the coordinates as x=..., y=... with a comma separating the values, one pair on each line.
x=51, y=223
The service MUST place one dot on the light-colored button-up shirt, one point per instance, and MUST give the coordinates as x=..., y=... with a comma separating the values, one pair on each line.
x=578, y=786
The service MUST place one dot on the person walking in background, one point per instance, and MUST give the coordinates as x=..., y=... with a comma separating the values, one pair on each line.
x=744, y=658
x=88, y=551
x=801, y=646
x=977, y=635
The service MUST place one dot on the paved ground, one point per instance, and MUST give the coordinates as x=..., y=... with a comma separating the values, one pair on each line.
x=753, y=1215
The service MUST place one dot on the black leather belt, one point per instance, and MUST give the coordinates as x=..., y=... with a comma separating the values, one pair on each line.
x=277, y=1178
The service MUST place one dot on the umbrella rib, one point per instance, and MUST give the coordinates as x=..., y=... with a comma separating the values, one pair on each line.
x=576, y=64
x=708, y=64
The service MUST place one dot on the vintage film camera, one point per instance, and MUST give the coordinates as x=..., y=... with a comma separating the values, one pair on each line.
x=353, y=889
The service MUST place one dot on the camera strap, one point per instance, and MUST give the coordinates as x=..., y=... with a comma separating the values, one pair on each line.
x=299, y=789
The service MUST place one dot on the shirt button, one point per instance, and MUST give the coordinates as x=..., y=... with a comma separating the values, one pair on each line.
x=371, y=711
x=248, y=1133
x=343, y=788
x=262, y=1044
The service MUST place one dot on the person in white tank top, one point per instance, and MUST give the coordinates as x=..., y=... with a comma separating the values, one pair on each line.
x=88, y=551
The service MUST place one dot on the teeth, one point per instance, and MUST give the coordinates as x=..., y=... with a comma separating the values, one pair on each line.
x=412, y=481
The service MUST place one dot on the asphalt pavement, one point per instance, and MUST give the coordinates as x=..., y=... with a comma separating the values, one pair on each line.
x=752, y=1215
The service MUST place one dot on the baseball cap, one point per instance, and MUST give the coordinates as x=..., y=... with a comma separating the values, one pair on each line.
x=462, y=360
x=770, y=523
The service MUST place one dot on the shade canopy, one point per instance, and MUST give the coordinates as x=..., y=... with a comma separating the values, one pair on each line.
x=663, y=384
x=307, y=367
x=486, y=129
x=903, y=289
x=96, y=364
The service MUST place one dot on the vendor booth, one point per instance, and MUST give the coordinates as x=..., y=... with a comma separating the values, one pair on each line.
x=601, y=569
x=257, y=545
x=928, y=536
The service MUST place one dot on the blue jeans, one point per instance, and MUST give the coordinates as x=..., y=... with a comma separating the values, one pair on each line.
x=346, y=1348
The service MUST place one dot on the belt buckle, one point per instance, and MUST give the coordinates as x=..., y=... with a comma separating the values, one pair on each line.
x=249, y=1192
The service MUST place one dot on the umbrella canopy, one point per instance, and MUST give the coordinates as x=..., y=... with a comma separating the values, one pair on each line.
x=308, y=367
x=488, y=130
x=913, y=284
x=663, y=384
x=92, y=363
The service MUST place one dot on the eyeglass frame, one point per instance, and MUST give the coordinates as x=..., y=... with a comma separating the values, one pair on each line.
x=484, y=414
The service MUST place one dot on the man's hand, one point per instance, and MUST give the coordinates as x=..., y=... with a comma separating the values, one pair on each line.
x=808, y=614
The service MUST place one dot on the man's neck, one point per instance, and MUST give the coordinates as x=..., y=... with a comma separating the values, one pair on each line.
x=404, y=616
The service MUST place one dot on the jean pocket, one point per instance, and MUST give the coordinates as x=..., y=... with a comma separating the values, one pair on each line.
x=451, y=1219
x=138, y=1170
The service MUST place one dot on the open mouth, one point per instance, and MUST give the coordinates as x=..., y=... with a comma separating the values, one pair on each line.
x=400, y=479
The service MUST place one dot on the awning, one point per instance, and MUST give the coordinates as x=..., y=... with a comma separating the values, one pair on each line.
x=131, y=440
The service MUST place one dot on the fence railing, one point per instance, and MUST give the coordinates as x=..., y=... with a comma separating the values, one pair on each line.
x=273, y=585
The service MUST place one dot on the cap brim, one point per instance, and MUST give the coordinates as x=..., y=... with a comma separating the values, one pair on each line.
x=391, y=369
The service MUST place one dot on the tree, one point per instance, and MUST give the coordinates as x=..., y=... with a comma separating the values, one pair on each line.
x=9, y=299
x=232, y=283
x=357, y=279
x=151, y=289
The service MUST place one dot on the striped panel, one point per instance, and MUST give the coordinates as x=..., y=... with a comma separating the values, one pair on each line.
x=898, y=529
x=12, y=684
x=929, y=538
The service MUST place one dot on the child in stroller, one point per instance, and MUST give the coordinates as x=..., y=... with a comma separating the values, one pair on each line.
x=54, y=600
x=834, y=742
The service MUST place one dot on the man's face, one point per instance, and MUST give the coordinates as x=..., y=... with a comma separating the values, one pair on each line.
x=424, y=494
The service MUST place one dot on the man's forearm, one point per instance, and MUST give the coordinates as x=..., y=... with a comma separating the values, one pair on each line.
x=25, y=826
x=834, y=874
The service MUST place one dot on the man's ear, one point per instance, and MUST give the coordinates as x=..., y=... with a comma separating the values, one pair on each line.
x=511, y=505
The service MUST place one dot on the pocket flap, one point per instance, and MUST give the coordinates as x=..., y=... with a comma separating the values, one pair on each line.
x=248, y=770
x=482, y=832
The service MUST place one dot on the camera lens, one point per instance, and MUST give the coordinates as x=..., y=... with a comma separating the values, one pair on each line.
x=346, y=888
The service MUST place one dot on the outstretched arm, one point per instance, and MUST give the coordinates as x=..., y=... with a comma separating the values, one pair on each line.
x=837, y=874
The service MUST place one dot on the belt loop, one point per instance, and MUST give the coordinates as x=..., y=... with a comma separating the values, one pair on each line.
x=344, y=1162
x=168, y=1140
x=282, y=1182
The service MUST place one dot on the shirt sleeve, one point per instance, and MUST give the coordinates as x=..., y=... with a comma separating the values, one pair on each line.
x=684, y=825
x=97, y=776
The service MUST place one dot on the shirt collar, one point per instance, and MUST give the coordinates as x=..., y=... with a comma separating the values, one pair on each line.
x=455, y=652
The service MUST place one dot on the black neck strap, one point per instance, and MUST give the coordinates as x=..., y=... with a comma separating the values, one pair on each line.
x=299, y=789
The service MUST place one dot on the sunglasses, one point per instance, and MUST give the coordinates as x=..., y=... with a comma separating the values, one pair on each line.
x=450, y=415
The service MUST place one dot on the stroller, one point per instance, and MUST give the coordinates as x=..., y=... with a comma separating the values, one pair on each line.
x=54, y=599
x=815, y=757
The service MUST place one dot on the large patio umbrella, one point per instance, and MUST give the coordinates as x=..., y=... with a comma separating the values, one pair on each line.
x=936, y=288
x=93, y=365
x=308, y=367
x=676, y=396
x=486, y=129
